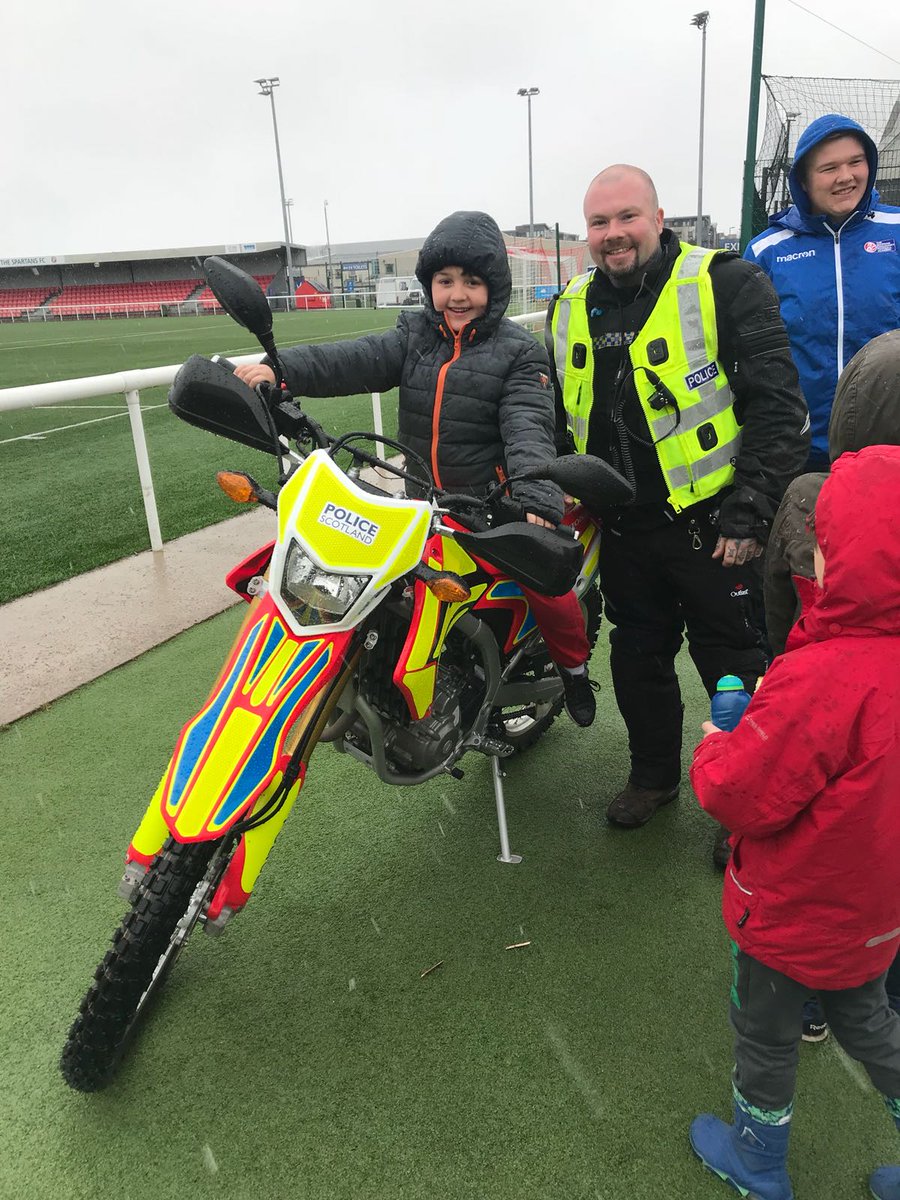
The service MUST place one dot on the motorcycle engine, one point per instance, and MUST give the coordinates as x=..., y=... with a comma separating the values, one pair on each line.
x=420, y=745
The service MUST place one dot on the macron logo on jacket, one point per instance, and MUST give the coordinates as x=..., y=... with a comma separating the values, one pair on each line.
x=793, y=257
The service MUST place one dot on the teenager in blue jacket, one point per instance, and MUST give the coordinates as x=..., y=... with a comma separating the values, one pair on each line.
x=834, y=258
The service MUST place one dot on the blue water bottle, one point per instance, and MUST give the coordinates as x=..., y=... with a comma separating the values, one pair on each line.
x=729, y=702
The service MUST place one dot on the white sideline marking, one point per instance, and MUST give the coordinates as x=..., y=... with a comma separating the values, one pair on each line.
x=31, y=437
x=111, y=337
x=322, y=337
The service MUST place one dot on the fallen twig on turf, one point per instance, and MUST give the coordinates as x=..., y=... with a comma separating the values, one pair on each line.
x=517, y=945
x=428, y=970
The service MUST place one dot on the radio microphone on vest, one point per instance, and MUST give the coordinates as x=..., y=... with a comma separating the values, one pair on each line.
x=662, y=397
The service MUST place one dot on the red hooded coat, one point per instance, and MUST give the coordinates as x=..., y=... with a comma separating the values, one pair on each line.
x=809, y=781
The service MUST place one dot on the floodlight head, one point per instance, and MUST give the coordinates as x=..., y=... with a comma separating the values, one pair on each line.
x=528, y=91
x=700, y=19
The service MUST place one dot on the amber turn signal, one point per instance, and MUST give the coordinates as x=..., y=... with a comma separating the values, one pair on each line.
x=449, y=588
x=237, y=486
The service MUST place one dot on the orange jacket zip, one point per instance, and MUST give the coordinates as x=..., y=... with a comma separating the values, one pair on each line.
x=439, y=397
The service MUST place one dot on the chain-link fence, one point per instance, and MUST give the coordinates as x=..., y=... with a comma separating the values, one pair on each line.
x=793, y=102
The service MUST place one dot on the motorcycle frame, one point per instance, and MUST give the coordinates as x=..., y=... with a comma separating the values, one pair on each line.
x=282, y=681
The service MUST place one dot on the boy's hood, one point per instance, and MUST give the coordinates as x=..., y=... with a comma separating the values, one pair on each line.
x=858, y=530
x=866, y=409
x=471, y=240
x=820, y=129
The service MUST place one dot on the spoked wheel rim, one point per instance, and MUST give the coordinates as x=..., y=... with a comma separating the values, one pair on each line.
x=202, y=893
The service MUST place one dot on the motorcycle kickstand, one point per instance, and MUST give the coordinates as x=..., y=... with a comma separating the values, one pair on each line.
x=504, y=856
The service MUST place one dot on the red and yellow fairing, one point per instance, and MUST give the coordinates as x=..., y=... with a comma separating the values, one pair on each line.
x=232, y=754
x=587, y=530
x=432, y=620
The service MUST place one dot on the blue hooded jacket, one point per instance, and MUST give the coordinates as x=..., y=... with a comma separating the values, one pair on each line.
x=839, y=287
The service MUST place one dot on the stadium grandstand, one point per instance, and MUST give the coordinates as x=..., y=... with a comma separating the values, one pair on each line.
x=137, y=284
x=170, y=282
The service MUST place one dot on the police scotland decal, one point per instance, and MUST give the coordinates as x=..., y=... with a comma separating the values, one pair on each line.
x=348, y=522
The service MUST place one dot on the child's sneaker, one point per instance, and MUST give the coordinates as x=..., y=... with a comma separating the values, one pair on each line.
x=579, y=691
x=815, y=1027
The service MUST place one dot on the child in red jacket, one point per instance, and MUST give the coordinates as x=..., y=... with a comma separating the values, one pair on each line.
x=808, y=782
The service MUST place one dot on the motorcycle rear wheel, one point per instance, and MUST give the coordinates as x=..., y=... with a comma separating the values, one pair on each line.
x=521, y=728
x=144, y=948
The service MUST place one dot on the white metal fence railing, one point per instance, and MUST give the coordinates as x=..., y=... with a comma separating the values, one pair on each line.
x=129, y=384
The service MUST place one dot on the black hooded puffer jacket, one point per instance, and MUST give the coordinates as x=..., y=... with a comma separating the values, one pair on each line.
x=866, y=412
x=472, y=405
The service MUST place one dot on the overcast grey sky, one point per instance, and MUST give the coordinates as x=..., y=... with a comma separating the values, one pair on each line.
x=136, y=126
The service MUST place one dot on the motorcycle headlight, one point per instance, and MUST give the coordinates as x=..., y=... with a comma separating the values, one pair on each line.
x=315, y=596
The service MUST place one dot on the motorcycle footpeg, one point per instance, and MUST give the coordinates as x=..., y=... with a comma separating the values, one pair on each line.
x=492, y=747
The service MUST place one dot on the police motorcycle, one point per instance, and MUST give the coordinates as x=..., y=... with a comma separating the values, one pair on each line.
x=389, y=626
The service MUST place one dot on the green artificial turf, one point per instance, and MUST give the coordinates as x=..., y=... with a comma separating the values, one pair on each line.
x=303, y=1056
x=72, y=497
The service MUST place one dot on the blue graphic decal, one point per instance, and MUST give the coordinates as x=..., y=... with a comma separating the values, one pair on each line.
x=507, y=589
x=273, y=641
x=262, y=759
x=199, y=735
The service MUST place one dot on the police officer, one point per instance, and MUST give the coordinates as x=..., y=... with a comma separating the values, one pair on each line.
x=672, y=363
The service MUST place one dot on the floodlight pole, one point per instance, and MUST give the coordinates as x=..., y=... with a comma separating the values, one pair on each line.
x=330, y=272
x=267, y=87
x=752, y=124
x=701, y=20
x=789, y=118
x=528, y=93
x=288, y=205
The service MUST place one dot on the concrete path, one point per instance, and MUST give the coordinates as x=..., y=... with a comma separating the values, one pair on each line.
x=53, y=641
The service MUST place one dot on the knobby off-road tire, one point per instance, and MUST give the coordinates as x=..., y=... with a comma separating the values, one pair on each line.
x=101, y=1031
x=522, y=728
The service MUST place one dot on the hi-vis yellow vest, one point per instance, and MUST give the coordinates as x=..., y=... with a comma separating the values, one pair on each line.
x=680, y=343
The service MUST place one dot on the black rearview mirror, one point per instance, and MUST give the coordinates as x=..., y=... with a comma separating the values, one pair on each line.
x=240, y=295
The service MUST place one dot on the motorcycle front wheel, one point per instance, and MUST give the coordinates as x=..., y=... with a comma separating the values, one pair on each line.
x=144, y=948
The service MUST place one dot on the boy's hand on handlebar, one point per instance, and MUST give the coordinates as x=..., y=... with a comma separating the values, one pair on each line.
x=254, y=373
x=534, y=519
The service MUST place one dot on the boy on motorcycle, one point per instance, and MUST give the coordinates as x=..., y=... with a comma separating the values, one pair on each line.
x=475, y=400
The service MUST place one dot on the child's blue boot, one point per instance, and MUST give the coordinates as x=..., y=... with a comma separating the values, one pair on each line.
x=751, y=1153
x=884, y=1184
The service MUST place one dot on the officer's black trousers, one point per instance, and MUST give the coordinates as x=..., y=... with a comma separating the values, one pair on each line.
x=658, y=583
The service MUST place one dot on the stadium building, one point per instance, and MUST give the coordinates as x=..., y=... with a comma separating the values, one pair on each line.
x=170, y=282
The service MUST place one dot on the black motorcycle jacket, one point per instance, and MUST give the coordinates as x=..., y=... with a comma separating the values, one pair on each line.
x=478, y=405
x=753, y=346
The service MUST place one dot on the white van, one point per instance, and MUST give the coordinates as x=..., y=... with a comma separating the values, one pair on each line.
x=398, y=291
